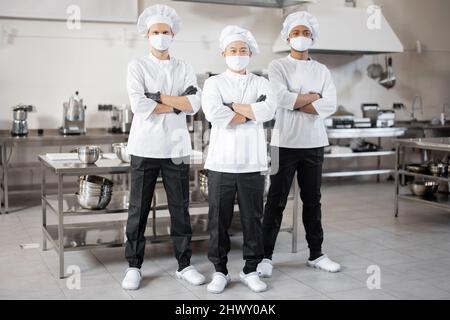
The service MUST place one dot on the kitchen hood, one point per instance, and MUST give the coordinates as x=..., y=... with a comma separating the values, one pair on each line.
x=253, y=3
x=345, y=30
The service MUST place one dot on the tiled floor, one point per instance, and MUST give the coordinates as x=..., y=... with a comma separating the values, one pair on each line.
x=412, y=252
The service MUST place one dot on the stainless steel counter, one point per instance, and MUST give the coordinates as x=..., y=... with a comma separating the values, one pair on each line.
x=50, y=137
x=438, y=144
x=53, y=137
x=439, y=200
x=365, y=133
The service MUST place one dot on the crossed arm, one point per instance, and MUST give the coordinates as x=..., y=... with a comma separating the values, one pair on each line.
x=168, y=103
x=304, y=102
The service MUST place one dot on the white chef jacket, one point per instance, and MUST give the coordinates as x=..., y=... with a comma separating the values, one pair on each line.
x=238, y=148
x=159, y=135
x=289, y=77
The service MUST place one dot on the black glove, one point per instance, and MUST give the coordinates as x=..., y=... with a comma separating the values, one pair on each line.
x=229, y=105
x=261, y=98
x=189, y=91
x=154, y=96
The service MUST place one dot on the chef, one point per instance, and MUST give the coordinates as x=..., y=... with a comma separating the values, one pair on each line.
x=162, y=91
x=237, y=103
x=305, y=95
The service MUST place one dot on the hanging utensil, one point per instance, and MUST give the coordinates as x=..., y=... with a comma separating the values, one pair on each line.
x=375, y=69
x=388, y=79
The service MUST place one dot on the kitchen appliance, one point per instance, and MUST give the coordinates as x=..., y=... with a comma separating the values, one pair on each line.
x=125, y=118
x=370, y=110
x=362, y=123
x=342, y=118
x=19, y=126
x=343, y=122
x=386, y=119
x=121, y=117
x=336, y=20
x=73, y=116
x=120, y=149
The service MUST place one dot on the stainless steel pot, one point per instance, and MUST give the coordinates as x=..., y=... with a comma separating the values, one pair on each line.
x=424, y=188
x=120, y=149
x=437, y=169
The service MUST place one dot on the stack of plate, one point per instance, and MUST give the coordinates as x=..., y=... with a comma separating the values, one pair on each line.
x=95, y=192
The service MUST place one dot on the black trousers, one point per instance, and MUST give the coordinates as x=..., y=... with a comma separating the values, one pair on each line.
x=222, y=190
x=175, y=176
x=308, y=165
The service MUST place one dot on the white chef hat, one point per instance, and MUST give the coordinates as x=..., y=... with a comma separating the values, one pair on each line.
x=230, y=34
x=158, y=13
x=300, y=18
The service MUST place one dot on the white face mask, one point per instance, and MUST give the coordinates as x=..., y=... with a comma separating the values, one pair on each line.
x=237, y=63
x=301, y=43
x=160, y=41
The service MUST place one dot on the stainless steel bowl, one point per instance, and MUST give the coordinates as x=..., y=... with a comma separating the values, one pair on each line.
x=120, y=149
x=94, y=202
x=97, y=180
x=424, y=188
x=95, y=192
x=203, y=180
x=88, y=154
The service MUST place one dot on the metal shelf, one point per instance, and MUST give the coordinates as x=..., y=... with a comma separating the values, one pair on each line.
x=351, y=173
x=425, y=176
x=365, y=133
x=360, y=154
x=439, y=200
x=71, y=206
x=86, y=236
x=22, y=165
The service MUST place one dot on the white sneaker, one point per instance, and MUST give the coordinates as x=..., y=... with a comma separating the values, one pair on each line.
x=253, y=281
x=191, y=275
x=219, y=282
x=132, y=279
x=265, y=268
x=324, y=263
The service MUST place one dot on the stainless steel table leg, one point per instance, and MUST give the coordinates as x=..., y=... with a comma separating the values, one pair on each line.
x=379, y=160
x=60, y=226
x=5, y=180
x=397, y=177
x=44, y=208
x=2, y=199
x=295, y=215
